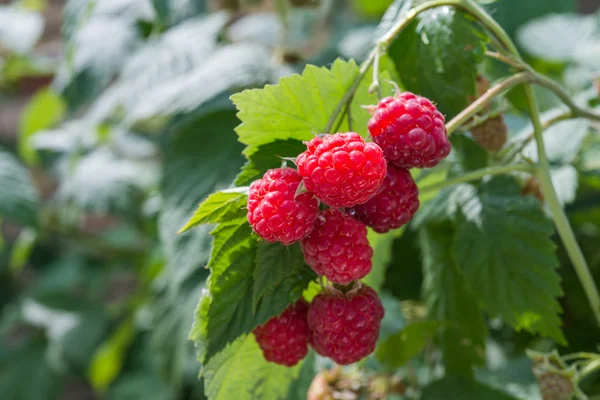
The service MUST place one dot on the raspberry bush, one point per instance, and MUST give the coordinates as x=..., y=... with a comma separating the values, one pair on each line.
x=308, y=199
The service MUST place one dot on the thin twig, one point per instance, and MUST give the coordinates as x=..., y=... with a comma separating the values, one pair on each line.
x=478, y=174
x=485, y=99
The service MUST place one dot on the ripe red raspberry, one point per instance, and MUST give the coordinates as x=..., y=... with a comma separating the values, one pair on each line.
x=393, y=206
x=273, y=211
x=284, y=339
x=341, y=169
x=410, y=131
x=345, y=327
x=338, y=248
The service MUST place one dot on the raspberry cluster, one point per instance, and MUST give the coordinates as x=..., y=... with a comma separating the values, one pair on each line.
x=338, y=325
x=359, y=184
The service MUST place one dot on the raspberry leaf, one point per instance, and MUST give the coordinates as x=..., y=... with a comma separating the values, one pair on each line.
x=437, y=55
x=186, y=181
x=457, y=388
x=19, y=199
x=504, y=249
x=451, y=302
x=300, y=106
x=218, y=207
x=401, y=347
x=247, y=286
x=241, y=372
x=382, y=256
x=278, y=265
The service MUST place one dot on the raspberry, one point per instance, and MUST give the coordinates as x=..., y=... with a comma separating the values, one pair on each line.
x=491, y=134
x=338, y=247
x=345, y=327
x=274, y=210
x=393, y=206
x=341, y=169
x=284, y=339
x=555, y=386
x=410, y=131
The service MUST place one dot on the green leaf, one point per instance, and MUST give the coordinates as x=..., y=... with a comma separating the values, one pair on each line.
x=457, y=388
x=558, y=37
x=219, y=207
x=466, y=155
x=248, y=285
x=504, y=11
x=563, y=141
x=400, y=348
x=404, y=275
x=171, y=12
x=104, y=182
x=110, y=356
x=159, y=61
x=203, y=157
x=238, y=66
x=443, y=206
x=22, y=365
x=95, y=62
x=20, y=29
x=171, y=310
x=241, y=372
x=266, y=157
x=298, y=107
x=512, y=267
x=451, y=302
x=43, y=111
x=276, y=265
x=22, y=249
x=19, y=199
x=139, y=385
x=437, y=55
x=382, y=256
x=396, y=12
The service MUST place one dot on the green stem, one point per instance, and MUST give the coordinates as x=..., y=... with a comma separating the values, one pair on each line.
x=478, y=174
x=485, y=99
x=560, y=219
x=565, y=97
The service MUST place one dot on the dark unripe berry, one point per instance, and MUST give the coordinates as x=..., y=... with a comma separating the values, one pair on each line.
x=284, y=340
x=491, y=134
x=338, y=247
x=410, y=131
x=341, y=169
x=394, y=205
x=274, y=210
x=345, y=327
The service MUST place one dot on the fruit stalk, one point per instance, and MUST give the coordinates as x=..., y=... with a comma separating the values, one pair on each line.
x=478, y=174
x=560, y=219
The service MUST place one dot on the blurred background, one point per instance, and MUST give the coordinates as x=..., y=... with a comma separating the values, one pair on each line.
x=115, y=122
